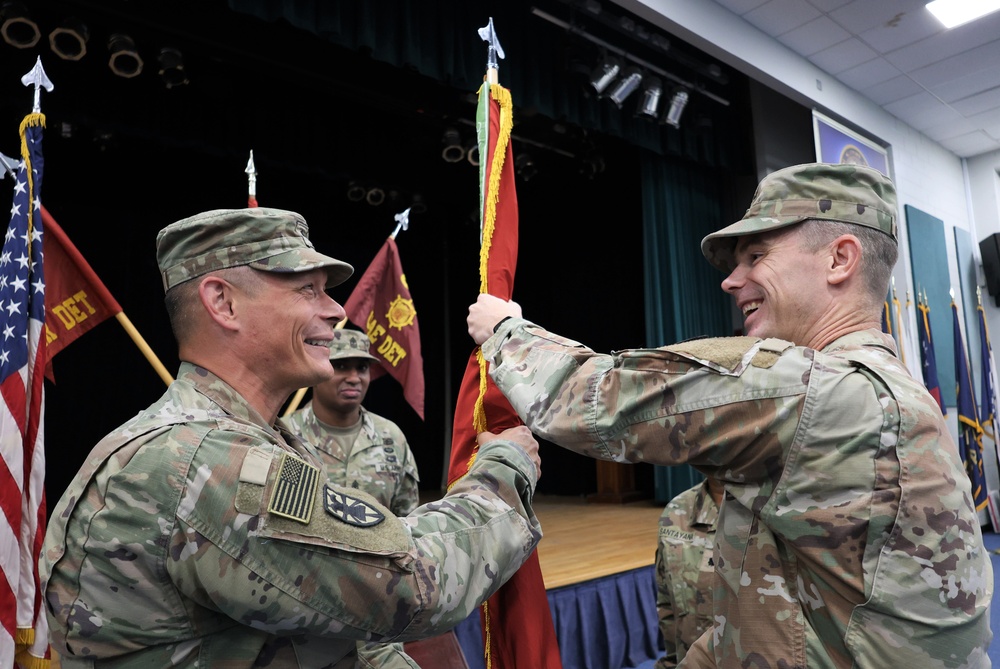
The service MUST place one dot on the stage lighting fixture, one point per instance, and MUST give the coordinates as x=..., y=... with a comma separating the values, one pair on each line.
x=355, y=192
x=375, y=196
x=69, y=39
x=453, y=151
x=525, y=167
x=625, y=86
x=172, y=67
x=417, y=204
x=649, y=103
x=605, y=72
x=472, y=152
x=16, y=26
x=677, y=104
x=125, y=60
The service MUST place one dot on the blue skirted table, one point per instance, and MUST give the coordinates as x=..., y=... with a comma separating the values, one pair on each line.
x=606, y=623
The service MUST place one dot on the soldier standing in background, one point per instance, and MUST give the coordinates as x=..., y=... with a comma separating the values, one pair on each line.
x=685, y=568
x=361, y=449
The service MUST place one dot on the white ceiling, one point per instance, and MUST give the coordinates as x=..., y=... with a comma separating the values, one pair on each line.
x=944, y=83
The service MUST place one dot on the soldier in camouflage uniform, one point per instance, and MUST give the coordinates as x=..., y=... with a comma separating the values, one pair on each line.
x=361, y=449
x=685, y=568
x=202, y=533
x=848, y=536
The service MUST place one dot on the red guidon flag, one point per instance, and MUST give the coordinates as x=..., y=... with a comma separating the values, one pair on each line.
x=382, y=306
x=516, y=621
x=75, y=297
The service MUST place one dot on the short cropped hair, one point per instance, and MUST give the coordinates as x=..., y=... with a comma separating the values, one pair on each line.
x=878, y=255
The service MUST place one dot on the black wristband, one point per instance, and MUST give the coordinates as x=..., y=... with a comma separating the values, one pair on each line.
x=499, y=323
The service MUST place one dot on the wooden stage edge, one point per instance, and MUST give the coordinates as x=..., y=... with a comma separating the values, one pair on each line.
x=582, y=540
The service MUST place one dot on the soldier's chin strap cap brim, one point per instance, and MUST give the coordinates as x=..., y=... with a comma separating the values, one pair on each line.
x=846, y=193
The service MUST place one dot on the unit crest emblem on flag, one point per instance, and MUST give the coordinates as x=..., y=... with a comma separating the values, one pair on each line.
x=401, y=313
x=349, y=509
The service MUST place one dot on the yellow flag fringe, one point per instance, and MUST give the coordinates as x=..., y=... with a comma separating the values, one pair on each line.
x=503, y=98
x=30, y=120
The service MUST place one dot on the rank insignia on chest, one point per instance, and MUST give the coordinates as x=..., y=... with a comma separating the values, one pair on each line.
x=349, y=509
x=295, y=489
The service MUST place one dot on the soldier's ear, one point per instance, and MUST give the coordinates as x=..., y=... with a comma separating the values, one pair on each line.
x=845, y=259
x=216, y=296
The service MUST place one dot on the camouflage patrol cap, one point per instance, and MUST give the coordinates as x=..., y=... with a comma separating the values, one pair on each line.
x=350, y=344
x=272, y=240
x=835, y=192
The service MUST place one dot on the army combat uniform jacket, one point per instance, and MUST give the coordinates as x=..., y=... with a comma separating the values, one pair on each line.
x=380, y=461
x=847, y=537
x=197, y=535
x=685, y=571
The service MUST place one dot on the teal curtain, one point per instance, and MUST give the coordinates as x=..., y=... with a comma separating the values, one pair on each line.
x=681, y=203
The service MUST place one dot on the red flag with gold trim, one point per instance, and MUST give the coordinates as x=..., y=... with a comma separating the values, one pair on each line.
x=516, y=621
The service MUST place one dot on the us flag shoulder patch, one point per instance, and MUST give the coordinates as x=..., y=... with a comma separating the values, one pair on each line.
x=349, y=509
x=295, y=489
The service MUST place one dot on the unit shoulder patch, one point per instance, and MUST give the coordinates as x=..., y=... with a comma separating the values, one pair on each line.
x=350, y=510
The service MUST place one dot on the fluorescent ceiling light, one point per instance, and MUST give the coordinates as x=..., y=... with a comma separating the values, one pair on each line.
x=956, y=12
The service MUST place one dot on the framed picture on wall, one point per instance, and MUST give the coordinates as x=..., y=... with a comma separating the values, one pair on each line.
x=837, y=144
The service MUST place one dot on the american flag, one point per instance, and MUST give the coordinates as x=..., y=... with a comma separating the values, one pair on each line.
x=24, y=632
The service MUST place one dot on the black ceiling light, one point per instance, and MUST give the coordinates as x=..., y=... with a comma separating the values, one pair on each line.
x=375, y=196
x=69, y=39
x=16, y=26
x=355, y=192
x=453, y=151
x=125, y=60
x=525, y=166
x=172, y=67
x=472, y=152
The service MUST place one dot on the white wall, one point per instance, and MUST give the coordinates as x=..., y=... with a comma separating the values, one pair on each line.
x=963, y=194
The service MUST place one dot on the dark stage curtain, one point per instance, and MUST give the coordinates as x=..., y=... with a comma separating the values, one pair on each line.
x=438, y=39
x=681, y=203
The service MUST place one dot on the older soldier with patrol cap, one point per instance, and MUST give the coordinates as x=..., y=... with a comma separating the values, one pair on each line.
x=848, y=536
x=201, y=533
x=361, y=449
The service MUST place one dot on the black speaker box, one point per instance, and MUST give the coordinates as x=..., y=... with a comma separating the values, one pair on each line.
x=989, y=248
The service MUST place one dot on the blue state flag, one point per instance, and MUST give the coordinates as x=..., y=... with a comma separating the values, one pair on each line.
x=929, y=363
x=970, y=432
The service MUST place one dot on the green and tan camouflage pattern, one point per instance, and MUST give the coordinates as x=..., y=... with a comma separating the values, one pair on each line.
x=685, y=571
x=350, y=344
x=379, y=462
x=272, y=240
x=836, y=192
x=848, y=537
x=161, y=552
